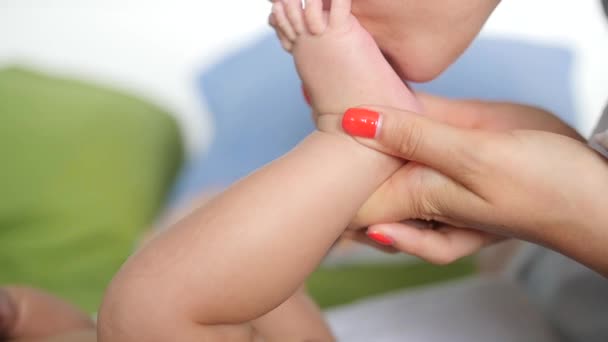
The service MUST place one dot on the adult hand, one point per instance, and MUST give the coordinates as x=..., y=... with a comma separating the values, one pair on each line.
x=449, y=243
x=517, y=183
x=31, y=315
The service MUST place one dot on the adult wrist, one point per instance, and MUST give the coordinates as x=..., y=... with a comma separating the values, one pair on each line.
x=584, y=236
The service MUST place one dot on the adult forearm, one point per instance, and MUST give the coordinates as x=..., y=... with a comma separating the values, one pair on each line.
x=585, y=237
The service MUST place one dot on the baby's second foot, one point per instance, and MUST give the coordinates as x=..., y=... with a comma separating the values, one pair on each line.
x=337, y=59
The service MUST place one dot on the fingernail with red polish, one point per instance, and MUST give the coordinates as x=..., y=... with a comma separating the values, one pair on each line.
x=361, y=122
x=306, y=96
x=380, y=238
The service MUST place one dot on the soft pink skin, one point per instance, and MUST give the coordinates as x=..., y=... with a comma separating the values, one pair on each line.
x=215, y=273
x=246, y=252
x=337, y=59
x=421, y=37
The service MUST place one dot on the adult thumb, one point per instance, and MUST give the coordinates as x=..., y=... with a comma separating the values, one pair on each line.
x=411, y=136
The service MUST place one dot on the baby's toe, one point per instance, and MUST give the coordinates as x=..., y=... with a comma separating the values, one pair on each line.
x=283, y=24
x=340, y=12
x=315, y=18
x=295, y=14
x=285, y=42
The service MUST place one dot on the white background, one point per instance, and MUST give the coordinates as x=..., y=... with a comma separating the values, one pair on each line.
x=156, y=48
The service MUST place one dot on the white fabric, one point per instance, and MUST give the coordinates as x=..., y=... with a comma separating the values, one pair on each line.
x=475, y=309
x=572, y=298
x=157, y=48
x=599, y=141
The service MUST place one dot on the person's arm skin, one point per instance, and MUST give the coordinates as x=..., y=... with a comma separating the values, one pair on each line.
x=449, y=243
x=534, y=185
x=297, y=319
x=246, y=251
x=297, y=316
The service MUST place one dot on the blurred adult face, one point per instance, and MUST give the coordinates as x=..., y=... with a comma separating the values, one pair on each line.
x=421, y=38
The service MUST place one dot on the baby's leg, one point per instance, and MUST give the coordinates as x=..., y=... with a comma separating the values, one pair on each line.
x=297, y=319
x=338, y=60
x=247, y=251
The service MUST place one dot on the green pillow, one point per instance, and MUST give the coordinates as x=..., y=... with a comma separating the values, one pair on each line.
x=84, y=171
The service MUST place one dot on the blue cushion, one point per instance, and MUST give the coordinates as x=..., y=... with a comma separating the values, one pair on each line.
x=259, y=113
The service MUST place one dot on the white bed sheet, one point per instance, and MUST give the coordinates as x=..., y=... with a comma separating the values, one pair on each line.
x=474, y=309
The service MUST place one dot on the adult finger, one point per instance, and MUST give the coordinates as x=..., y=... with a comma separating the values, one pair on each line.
x=438, y=246
x=453, y=112
x=360, y=236
x=417, y=192
x=410, y=136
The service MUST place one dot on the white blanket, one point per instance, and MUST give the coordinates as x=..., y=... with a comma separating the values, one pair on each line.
x=475, y=309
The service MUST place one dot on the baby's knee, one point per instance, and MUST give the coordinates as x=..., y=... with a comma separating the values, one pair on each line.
x=129, y=313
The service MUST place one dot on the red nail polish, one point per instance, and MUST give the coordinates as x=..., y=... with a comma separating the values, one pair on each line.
x=381, y=238
x=361, y=122
x=306, y=96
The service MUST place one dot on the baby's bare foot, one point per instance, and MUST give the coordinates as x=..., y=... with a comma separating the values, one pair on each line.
x=337, y=59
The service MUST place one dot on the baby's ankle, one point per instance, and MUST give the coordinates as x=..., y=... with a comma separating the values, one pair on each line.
x=329, y=123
